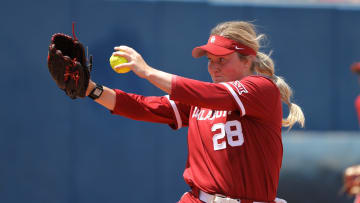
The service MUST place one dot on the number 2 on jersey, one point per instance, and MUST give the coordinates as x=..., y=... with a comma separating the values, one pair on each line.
x=230, y=129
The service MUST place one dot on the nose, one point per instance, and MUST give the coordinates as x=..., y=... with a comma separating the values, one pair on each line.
x=213, y=67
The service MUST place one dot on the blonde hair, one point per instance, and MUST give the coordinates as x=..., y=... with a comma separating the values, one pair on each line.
x=245, y=33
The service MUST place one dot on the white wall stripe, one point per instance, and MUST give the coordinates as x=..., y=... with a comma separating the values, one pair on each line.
x=176, y=111
x=236, y=97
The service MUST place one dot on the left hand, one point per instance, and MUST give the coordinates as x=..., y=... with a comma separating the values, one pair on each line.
x=135, y=61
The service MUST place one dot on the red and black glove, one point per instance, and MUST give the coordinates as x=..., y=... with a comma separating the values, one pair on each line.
x=68, y=65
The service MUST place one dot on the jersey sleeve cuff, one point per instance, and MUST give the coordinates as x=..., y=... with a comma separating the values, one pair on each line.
x=176, y=113
x=118, y=94
x=173, y=87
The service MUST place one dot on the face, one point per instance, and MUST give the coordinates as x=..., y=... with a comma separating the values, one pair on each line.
x=228, y=68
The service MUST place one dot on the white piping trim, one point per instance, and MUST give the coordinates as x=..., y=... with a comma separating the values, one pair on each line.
x=176, y=112
x=236, y=97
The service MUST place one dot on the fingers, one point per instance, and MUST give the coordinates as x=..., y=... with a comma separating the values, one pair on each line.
x=124, y=65
x=135, y=62
x=126, y=49
x=123, y=54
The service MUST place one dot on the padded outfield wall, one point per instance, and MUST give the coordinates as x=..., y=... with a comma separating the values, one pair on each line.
x=56, y=150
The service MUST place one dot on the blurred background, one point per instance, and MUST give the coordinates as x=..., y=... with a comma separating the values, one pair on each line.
x=56, y=150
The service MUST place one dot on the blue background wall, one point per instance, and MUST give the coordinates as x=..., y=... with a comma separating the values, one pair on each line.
x=56, y=150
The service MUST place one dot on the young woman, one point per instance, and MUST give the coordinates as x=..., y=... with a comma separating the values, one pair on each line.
x=234, y=124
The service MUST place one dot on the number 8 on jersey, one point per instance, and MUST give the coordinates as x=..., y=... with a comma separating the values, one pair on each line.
x=233, y=132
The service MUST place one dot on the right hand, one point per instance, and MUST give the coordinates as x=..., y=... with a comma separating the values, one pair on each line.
x=135, y=61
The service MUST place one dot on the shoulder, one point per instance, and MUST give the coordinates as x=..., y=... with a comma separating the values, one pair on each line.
x=258, y=79
x=259, y=86
x=259, y=83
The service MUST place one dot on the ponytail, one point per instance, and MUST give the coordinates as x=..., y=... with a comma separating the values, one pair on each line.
x=265, y=65
x=245, y=33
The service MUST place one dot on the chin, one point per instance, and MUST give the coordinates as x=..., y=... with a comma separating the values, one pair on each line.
x=218, y=80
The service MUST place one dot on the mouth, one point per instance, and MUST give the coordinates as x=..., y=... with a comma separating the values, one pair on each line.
x=217, y=78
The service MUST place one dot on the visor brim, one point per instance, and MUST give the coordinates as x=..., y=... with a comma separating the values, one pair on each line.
x=212, y=49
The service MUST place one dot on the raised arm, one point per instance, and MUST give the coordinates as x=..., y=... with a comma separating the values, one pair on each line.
x=191, y=92
x=160, y=79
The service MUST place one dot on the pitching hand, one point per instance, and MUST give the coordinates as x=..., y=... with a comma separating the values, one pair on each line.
x=135, y=61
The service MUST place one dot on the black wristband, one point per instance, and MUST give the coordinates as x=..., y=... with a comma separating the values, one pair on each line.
x=96, y=92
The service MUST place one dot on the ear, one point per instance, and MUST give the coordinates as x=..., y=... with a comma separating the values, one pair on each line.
x=249, y=61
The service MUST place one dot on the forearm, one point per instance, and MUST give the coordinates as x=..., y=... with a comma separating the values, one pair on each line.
x=160, y=79
x=107, y=98
x=192, y=92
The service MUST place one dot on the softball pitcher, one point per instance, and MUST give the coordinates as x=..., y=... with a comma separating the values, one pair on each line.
x=234, y=124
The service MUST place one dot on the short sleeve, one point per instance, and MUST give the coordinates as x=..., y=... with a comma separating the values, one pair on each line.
x=254, y=95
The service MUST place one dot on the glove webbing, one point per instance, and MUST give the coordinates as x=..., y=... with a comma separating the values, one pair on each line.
x=68, y=73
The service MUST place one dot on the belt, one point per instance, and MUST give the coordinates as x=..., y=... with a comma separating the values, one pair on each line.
x=208, y=198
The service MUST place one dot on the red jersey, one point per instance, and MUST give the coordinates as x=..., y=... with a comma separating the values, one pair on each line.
x=234, y=136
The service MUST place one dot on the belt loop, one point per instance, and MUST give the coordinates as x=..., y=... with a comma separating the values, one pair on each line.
x=195, y=191
x=213, y=199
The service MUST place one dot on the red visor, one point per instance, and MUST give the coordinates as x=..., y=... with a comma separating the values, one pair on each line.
x=220, y=46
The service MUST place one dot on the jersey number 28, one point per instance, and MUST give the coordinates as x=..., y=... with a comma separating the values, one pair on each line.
x=233, y=132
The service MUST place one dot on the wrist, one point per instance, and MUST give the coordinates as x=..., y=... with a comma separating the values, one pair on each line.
x=149, y=73
x=91, y=86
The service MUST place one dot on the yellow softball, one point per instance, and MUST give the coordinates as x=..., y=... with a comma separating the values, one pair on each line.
x=117, y=60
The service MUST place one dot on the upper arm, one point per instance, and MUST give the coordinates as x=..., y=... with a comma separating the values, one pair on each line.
x=254, y=96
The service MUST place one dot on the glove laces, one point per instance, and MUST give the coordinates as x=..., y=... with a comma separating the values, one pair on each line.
x=73, y=31
x=72, y=74
x=68, y=72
